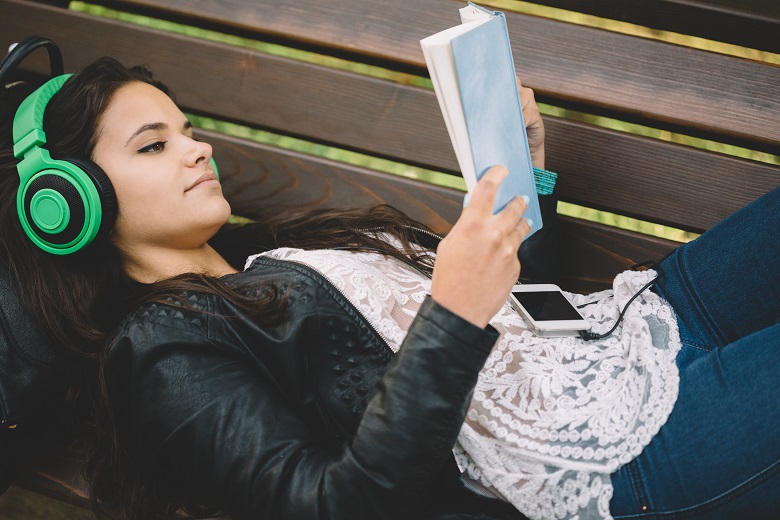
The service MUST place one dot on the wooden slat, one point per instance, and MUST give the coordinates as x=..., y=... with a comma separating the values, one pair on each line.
x=656, y=83
x=665, y=183
x=57, y=476
x=284, y=95
x=594, y=253
x=748, y=23
x=598, y=167
x=262, y=180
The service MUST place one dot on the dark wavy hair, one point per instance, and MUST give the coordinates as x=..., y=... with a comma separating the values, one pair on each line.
x=80, y=299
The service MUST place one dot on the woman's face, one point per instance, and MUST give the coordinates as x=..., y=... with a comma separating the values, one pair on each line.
x=167, y=192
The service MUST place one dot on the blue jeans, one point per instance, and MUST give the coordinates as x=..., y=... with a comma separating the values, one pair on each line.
x=718, y=456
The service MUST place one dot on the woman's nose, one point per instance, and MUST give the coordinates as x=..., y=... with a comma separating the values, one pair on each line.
x=200, y=152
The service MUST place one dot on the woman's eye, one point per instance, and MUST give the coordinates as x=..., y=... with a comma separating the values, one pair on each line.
x=154, y=147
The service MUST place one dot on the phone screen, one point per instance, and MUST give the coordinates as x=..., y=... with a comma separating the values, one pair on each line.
x=547, y=306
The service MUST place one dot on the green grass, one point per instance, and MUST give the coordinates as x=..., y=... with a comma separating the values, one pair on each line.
x=440, y=178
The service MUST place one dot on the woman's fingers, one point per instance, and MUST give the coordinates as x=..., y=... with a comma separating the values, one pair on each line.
x=534, y=125
x=527, y=99
x=483, y=200
x=510, y=215
x=520, y=231
x=483, y=197
x=509, y=220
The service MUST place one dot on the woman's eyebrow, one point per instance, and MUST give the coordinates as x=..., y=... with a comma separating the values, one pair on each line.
x=144, y=128
x=155, y=126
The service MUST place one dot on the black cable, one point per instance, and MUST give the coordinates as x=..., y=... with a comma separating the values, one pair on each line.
x=24, y=48
x=590, y=336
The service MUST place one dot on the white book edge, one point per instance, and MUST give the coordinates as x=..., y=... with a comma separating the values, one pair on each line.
x=437, y=52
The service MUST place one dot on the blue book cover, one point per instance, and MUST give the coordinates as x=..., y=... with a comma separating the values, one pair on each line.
x=481, y=60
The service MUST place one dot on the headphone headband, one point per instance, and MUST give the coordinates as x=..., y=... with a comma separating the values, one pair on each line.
x=28, y=123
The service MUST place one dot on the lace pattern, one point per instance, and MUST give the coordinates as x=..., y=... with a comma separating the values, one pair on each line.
x=387, y=292
x=551, y=418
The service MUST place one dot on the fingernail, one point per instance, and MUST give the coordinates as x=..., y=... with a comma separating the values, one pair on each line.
x=530, y=222
x=527, y=199
x=466, y=199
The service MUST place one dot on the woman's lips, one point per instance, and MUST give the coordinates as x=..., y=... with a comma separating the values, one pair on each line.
x=210, y=176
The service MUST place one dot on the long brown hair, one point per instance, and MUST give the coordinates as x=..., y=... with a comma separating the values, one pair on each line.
x=81, y=298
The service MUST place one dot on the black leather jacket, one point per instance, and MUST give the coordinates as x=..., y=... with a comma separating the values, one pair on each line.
x=313, y=418
x=35, y=375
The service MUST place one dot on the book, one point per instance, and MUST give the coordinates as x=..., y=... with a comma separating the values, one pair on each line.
x=473, y=75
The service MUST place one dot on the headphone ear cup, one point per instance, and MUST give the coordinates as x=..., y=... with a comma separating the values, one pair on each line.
x=67, y=205
x=214, y=167
x=105, y=191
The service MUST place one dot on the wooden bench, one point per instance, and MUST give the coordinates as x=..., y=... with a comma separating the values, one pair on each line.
x=579, y=72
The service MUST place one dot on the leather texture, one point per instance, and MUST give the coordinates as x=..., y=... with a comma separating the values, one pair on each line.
x=313, y=418
x=33, y=383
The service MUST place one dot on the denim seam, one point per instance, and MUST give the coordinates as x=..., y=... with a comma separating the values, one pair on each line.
x=712, y=503
x=637, y=483
x=698, y=346
x=694, y=299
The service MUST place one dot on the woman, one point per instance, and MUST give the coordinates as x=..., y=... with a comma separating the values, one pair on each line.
x=326, y=380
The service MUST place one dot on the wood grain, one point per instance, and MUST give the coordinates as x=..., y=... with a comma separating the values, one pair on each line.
x=652, y=82
x=57, y=476
x=754, y=23
x=259, y=180
x=263, y=180
x=625, y=174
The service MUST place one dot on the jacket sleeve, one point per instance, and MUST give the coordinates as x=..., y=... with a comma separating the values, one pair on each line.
x=225, y=432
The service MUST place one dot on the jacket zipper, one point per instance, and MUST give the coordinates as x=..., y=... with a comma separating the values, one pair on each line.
x=414, y=228
x=426, y=232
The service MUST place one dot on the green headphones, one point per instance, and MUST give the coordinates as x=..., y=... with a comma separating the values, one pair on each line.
x=63, y=205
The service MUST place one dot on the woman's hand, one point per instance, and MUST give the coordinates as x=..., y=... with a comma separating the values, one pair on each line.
x=476, y=263
x=534, y=126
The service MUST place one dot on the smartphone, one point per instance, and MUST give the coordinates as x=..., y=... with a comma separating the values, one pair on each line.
x=547, y=311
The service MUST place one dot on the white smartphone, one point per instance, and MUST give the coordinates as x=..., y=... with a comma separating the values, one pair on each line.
x=547, y=311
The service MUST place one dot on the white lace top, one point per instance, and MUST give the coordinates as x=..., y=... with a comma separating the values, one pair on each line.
x=551, y=418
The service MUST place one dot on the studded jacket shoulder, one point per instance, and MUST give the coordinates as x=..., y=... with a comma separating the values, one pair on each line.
x=313, y=418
